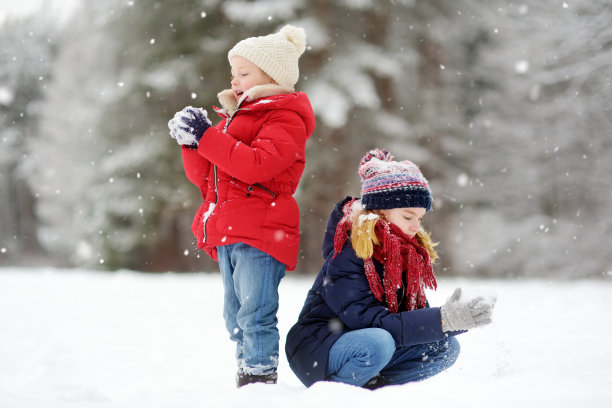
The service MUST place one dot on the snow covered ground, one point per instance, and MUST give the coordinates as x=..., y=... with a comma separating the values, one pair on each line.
x=72, y=338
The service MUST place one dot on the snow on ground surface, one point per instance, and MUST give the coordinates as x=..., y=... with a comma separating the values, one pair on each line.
x=73, y=338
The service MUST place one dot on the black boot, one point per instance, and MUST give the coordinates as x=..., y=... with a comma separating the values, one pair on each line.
x=244, y=379
x=375, y=382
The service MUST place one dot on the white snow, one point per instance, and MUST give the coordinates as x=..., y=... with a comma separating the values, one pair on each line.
x=6, y=95
x=329, y=103
x=75, y=338
x=367, y=217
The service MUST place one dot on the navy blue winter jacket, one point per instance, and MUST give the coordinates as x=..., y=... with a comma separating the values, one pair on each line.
x=341, y=301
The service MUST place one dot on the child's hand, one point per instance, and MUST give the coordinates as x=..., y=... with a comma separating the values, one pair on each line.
x=188, y=126
x=462, y=314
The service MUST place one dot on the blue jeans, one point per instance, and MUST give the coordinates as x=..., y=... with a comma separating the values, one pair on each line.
x=250, y=279
x=359, y=355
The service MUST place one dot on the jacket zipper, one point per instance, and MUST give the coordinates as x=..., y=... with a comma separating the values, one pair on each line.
x=210, y=210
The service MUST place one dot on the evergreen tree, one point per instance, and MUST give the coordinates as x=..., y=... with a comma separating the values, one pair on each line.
x=111, y=184
x=536, y=104
x=26, y=54
x=504, y=106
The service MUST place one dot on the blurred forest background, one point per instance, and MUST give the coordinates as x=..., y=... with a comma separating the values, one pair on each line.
x=504, y=105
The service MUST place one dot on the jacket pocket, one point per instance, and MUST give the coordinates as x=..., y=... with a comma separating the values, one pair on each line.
x=243, y=190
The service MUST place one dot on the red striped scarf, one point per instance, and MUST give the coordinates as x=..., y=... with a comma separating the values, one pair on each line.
x=406, y=264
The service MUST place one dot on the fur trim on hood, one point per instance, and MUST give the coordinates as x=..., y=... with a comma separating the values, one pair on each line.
x=228, y=101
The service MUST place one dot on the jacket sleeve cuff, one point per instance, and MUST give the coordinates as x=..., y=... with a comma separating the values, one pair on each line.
x=422, y=326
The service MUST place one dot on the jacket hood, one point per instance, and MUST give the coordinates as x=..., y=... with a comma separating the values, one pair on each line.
x=330, y=229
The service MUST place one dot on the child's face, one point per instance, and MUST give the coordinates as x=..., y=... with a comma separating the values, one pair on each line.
x=245, y=75
x=407, y=219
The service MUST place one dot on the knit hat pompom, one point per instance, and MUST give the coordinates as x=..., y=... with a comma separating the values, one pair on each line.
x=388, y=184
x=275, y=54
x=295, y=35
x=380, y=154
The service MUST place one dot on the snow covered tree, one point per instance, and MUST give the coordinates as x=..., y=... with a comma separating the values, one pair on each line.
x=536, y=102
x=26, y=54
x=512, y=133
x=506, y=107
x=110, y=181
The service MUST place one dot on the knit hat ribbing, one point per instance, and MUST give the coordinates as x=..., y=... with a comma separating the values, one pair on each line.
x=275, y=54
x=388, y=184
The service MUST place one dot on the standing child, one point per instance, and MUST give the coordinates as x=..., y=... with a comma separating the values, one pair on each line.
x=366, y=320
x=248, y=168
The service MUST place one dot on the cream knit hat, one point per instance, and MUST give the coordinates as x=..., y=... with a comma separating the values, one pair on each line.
x=275, y=54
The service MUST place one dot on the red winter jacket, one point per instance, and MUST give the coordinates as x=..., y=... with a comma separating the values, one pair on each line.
x=248, y=167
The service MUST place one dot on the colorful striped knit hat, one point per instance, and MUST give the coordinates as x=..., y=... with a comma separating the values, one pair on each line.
x=388, y=184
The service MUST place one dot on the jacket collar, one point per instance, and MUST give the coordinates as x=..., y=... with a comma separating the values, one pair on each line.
x=228, y=100
x=337, y=214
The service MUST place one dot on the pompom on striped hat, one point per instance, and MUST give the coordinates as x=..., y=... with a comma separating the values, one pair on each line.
x=387, y=184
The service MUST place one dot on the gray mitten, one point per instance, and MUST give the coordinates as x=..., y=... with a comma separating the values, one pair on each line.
x=459, y=313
